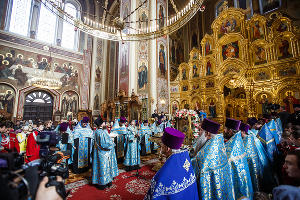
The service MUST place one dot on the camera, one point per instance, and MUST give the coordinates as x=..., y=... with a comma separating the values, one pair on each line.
x=20, y=181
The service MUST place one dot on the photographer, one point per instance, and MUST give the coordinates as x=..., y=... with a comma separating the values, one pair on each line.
x=33, y=149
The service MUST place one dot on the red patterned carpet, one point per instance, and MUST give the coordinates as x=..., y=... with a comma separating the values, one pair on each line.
x=122, y=188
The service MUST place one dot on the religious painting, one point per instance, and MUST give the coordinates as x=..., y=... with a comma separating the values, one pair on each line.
x=220, y=7
x=185, y=88
x=174, y=107
x=173, y=72
x=69, y=104
x=261, y=76
x=96, y=102
x=288, y=71
x=229, y=25
x=208, y=68
x=174, y=89
x=259, y=56
x=124, y=69
x=161, y=16
x=284, y=49
x=173, y=50
x=143, y=20
x=269, y=5
x=263, y=100
x=230, y=50
x=23, y=66
x=179, y=53
x=142, y=75
x=98, y=75
x=207, y=48
x=195, y=55
x=290, y=100
x=162, y=95
x=212, y=109
x=257, y=31
x=210, y=84
x=184, y=76
x=143, y=49
x=195, y=71
x=283, y=26
x=162, y=60
x=7, y=100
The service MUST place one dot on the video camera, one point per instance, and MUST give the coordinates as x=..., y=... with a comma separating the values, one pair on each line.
x=20, y=181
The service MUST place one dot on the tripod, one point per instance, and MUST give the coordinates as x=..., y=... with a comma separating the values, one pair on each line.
x=137, y=174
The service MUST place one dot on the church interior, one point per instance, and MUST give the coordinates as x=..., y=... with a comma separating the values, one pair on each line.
x=150, y=66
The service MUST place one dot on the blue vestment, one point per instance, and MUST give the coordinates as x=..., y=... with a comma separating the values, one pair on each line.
x=105, y=166
x=268, y=141
x=83, y=141
x=176, y=179
x=145, y=134
x=266, y=174
x=122, y=131
x=274, y=131
x=132, y=157
x=237, y=157
x=286, y=192
x=253, y=161
x=212, y=169
x=154, y=130
x=64, y=147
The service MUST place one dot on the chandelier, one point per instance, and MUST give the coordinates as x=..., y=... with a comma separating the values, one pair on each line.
x=46, y=78
x=115, y=31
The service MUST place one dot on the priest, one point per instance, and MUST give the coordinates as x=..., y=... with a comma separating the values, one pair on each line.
x=83, y=142
x=105, y=166
x=211, y=165
x=132, y=156
x=145, y=133
x=176, y=179
x=122, y=131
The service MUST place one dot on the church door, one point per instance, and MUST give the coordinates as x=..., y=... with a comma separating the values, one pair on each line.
x=38, y=106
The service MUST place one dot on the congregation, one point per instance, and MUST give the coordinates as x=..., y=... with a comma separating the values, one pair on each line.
x=252, y=160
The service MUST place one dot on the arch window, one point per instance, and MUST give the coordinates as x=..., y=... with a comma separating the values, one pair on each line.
x=45, y=21
x=246, y=5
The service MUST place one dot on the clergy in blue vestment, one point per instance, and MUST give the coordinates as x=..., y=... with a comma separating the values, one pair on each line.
x=211, y=165
x=252, y=156
x=122, y=131
x=267, y=181
x=279, y=125
x=83, y=141
x=176, y=179
x=155, y=130
x=145, y=134
x=66, y=141
x=105, y=166
x=240, y=173
x=268, y=141
x=274, y=131
x=231, y=127
x=132, y=156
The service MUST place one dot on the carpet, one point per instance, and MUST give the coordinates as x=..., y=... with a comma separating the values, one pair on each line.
x=122, y=188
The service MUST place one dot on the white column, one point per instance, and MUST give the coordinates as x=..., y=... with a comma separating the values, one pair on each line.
x=152, y=60
x=93, y=69
x=103, y=72
x=133, y=54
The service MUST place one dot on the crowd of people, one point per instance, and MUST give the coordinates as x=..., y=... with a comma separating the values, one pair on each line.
x=257, y=159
